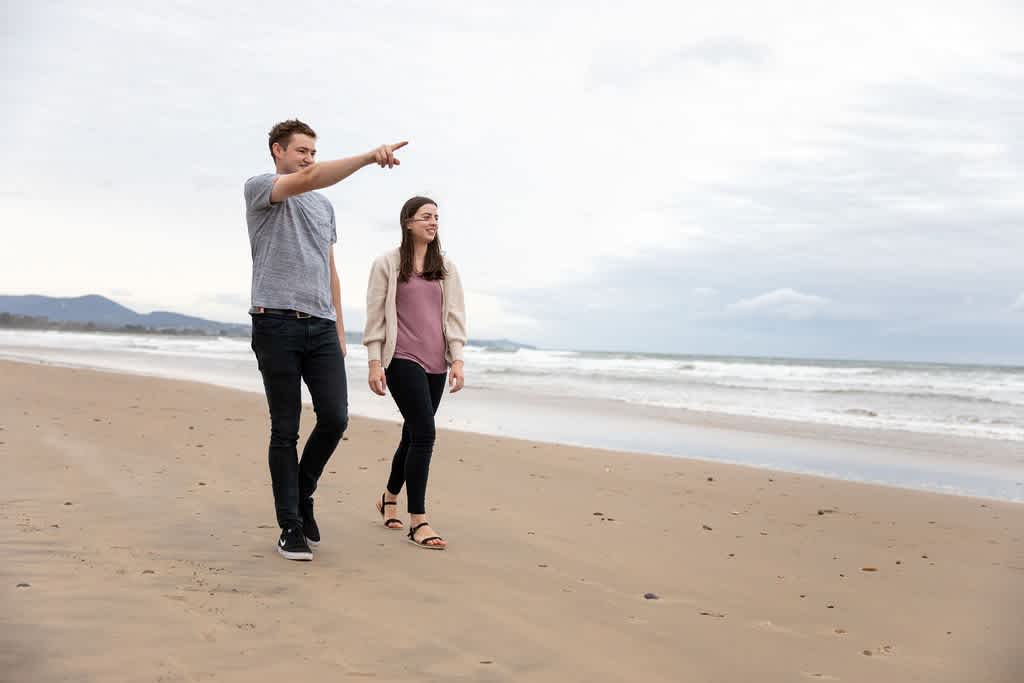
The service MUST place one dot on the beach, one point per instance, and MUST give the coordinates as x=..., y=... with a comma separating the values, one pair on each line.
x=138, y=533
x=949, y=428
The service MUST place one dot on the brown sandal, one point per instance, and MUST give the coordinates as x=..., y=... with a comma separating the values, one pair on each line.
x=391, y=522
x=423, y=543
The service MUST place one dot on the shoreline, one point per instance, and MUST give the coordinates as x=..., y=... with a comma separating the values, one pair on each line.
x=902, y=459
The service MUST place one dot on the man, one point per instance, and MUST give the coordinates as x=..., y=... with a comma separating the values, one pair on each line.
x=297, y=329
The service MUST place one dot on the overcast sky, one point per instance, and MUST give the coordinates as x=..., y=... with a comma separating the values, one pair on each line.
x=762, y=178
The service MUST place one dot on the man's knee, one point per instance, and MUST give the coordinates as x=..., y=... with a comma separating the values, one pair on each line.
x=333, y=421
x=286, y=434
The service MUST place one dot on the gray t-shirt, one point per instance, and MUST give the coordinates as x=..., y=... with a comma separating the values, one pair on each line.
x=291, y=242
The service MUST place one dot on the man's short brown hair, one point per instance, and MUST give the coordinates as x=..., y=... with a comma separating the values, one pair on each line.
x=282, y=133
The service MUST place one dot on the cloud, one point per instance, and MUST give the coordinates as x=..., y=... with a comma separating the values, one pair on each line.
x=239, y=299
x=625, y=67
x=591, y=195
x=1018, y=305
x=726, y=50
x=782, y=303
x=487, y=317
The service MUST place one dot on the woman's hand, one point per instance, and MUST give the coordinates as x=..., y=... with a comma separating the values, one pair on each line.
x=377, y=381
x=455, y=378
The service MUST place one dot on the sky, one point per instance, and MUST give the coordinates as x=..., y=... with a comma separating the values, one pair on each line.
x=839, y=179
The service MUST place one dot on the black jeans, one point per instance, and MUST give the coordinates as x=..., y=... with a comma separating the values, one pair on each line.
x=288, y=351
x=417, y=394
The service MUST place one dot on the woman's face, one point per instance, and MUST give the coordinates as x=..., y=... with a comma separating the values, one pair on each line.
x=423, y=224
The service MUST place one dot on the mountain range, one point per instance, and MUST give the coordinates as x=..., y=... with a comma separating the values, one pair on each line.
x=105, y=313
x=98, y=312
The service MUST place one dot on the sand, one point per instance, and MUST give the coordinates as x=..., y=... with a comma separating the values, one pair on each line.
x=137, y=534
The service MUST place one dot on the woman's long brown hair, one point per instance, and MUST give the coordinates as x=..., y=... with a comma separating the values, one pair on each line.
x=433, y=262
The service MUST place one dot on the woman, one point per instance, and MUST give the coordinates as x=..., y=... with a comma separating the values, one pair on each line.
x=415, y=331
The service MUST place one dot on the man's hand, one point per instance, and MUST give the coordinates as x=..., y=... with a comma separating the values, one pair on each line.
x=385, y=154
x=326, y=173
x=455, y=377
x=341, y=337
x=377, y=381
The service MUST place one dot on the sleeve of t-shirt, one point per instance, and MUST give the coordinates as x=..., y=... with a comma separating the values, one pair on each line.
x=257, y=192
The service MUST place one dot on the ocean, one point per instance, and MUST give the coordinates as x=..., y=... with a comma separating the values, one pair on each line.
x=975, y=401
x=647, y=402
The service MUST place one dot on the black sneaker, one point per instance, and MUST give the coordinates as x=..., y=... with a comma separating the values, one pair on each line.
x=309, y=527
x=292, y=545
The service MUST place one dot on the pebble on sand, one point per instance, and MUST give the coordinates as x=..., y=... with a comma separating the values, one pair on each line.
x=24, y=585
x=650, y=596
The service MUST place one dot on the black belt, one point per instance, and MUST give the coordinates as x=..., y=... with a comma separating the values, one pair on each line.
x=282, y=312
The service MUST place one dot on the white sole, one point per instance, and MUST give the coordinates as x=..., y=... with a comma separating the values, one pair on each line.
x=289, y=555
x=313, y=544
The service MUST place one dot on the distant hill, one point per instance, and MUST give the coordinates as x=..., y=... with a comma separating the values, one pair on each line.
x=102, y=313
x=95, y=312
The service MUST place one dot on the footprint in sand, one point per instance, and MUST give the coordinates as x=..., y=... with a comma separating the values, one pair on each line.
x=772, y=627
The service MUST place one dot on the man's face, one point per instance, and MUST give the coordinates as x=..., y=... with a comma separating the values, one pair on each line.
x=300, y=153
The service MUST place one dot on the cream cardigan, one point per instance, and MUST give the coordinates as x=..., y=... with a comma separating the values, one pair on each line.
x=381, y=330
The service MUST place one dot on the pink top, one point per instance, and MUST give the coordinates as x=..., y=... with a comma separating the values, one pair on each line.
x=420, y=337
